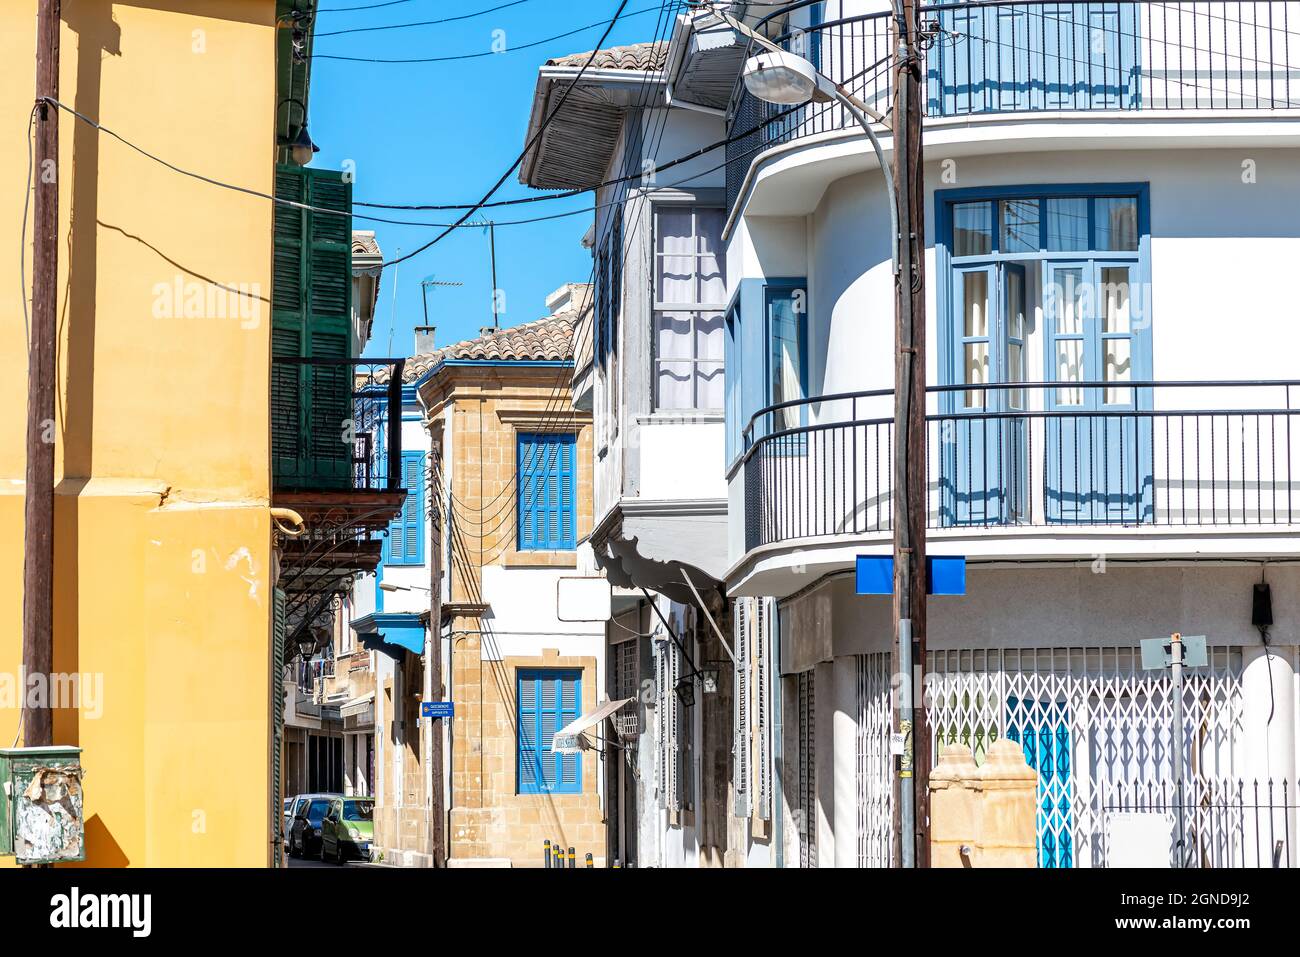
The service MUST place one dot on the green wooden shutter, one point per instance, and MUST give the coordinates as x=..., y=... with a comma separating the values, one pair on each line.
x=311, y=314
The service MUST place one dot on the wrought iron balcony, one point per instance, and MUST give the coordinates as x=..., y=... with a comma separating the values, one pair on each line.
x=330, y=424
x=1044, y=454
x=994, y=56
x=336, y=445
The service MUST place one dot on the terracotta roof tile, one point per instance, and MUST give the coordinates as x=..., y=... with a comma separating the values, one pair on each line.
x=549, y=339
x=636, y=56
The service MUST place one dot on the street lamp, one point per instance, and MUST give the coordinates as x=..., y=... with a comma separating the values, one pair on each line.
x=778, y=76
x=787, y=79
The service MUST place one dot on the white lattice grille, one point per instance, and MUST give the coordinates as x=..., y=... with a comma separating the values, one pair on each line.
x=874, y=766
x=806, y=820
x=1094, y=725
x=765, y=667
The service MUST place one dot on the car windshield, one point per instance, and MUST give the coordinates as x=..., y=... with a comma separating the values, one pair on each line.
x=316, y=811
x=358, y=810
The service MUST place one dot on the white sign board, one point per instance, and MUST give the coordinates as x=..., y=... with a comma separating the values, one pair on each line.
x=580, y=598
x=1139, y=838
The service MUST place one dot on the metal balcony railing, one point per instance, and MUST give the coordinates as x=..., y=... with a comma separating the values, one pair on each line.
x=1023, y=455
x=1011, y=56
x=331, y=427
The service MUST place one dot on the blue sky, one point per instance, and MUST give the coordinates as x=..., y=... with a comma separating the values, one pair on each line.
x=443, y=133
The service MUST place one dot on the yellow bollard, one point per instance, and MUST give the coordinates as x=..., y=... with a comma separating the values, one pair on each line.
x=1008, y=789
x=954, y=808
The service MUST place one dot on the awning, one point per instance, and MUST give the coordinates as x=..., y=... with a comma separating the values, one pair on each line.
x=357, y=705
x=393, y=633
x=568, y=739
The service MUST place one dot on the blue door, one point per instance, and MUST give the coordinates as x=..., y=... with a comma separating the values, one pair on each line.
x=1098, y=464
x=983, y=442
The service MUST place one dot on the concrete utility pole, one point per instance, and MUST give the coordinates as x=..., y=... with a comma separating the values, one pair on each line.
x=910, y=586
x=433, y=661
x=38, y=542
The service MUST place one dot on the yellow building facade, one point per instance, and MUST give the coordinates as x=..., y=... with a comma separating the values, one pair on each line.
x=163, y=540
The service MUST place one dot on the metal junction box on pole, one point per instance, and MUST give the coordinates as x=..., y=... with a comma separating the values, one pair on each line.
x=41, y=814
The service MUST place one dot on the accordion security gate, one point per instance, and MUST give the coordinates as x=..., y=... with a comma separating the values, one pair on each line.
x=1097, y=728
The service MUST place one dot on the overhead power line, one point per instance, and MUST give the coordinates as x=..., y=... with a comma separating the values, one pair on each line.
x=423, y=23
x=482, y=53
x=532, y=140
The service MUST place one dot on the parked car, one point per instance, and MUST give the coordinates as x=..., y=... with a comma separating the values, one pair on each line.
x=286, y=819
x=308, y=816
x=291, y=806
x=348, y=829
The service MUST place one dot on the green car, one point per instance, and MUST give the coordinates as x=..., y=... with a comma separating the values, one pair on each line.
x=348, y=829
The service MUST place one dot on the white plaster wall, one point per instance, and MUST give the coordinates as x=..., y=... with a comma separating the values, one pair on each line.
x=682, y=459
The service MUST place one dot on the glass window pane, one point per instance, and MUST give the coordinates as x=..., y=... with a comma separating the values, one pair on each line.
x=785, y=362
x=675, y=282
x=1116, y=223
x=1015, y=304
x=1019, y=226
x=709, y=340
x=673, y=230
x=972, y=229
x=1117, y=366
x=1016, y=373
x=1068, y=301
x=1067, y=224
x=975, y=310
x=708, y=224
x=1069, y=368
x=1114, y=295
x=673, y=335
x=709, y=384
x=713, y=287
x=673, y=385
x=976, y=367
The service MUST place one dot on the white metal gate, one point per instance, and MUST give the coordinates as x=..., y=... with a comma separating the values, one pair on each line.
x=1098, y=730
x=1096, y=727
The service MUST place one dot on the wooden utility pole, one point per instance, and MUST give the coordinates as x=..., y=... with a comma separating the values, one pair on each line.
x=38, y=541
x=909, y=512
x=433, y=663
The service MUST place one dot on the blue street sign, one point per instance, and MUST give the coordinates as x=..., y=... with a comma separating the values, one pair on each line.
x=436, y=709
x=947, y=575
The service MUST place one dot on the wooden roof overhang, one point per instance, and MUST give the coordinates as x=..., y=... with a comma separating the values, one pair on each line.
x=578, y=145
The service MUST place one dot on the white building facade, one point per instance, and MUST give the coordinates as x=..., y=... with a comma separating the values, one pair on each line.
x=1110, y=229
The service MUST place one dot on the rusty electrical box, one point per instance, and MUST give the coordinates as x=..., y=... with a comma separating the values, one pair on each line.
x=41, y=811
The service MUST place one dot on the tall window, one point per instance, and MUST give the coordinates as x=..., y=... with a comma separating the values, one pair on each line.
x=609, y=302
x=689, y=299
x=545, y=491
x=547, y=699
x=406, y=532
x=786, y=365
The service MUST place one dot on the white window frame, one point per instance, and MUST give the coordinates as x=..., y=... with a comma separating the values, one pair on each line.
x=695, y=309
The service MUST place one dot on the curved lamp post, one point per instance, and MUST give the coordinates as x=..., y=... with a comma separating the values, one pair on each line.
x=787, y=79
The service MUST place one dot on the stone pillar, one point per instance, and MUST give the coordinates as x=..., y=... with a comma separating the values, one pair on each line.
x=845, y=737
x=1268, y=740
x=1008, y=789
x=954, y=808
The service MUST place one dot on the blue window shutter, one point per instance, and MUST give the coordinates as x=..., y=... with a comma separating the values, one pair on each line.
x=406, y=532
x=546, y=483
x=547, y=701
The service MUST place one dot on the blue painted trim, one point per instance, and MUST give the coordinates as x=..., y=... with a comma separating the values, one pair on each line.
x=404, y=629
x=546, y=464
x=410, y=522
x=549, y=769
